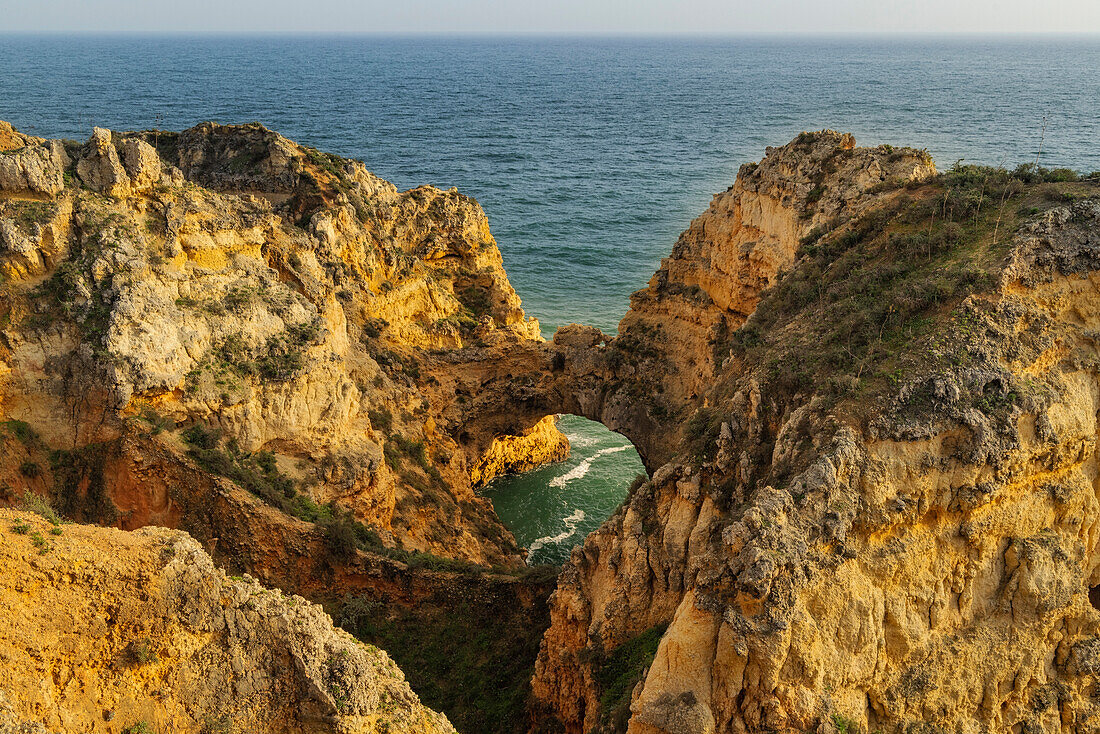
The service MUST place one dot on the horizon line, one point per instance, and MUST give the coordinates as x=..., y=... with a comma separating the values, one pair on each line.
x=591, y=34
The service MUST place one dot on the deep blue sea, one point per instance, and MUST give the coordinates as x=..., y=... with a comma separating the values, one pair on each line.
x=589, y=155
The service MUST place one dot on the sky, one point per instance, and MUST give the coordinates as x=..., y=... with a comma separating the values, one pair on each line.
x=602, y=17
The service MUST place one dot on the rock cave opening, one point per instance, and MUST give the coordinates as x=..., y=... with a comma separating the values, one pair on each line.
x=552, y=509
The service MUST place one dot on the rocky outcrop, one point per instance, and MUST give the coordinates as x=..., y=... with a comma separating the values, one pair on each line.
x=866, y=393
x=105, y=630
x=31, y=166
x=879, y=513
x=645, y=382
x=539, y=445
x=286, y=299
x=723, y=262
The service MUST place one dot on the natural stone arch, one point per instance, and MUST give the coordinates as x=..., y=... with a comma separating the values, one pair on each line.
x=500, y=408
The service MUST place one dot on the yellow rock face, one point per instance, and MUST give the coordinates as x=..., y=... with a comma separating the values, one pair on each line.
x=104, y=630
x=920, y=557
x=855, y=520
x=287, y=298
x=539, y=445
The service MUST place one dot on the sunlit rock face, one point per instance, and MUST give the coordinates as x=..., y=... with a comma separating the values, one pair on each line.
x=866, y=394
x=876, y=509
x=108, y=630
x=286, y=298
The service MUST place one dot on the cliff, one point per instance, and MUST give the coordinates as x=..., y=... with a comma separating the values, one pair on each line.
x=873, y=507
x=229, y=333
x=109, y=631
x=296, y=309
x=866, y=393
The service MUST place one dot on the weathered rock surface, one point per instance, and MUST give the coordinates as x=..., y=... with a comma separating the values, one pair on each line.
x=867, y=394
x=541, y=444
x=900, y=539
x=105, y=629
x=286, y=298
x=31, y=166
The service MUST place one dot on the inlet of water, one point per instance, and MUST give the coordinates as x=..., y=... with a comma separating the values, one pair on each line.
x=552, y=509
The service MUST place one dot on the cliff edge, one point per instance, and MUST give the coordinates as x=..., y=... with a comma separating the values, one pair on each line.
x=278, y=316
x=866, y=392
x=873, y=504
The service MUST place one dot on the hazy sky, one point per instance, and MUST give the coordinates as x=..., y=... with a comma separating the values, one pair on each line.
x=555, y=16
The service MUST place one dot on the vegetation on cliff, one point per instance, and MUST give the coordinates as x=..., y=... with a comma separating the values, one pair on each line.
x=223, y=331
x=468, y=650
x=287, y=298
x=876, y=387
x=866, y=392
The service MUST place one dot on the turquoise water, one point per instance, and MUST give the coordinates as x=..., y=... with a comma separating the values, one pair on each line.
x=553, y=508
x=589, y=155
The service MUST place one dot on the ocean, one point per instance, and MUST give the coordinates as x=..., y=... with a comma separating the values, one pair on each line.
x=589, y=155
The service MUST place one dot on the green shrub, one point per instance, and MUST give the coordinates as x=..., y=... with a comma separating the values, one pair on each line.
x=372, y=328
x=415, y=450
x=256, y=472
x=393, y=456
x=202, y=437
x=1029, y=173
x=39, y=541
x=302, y=506
x=266, y=461
x=341, y=533
x=80, y=489
x=843, y=725
x=701, y=434
x=30, y=469
x=281, y=361
x=620, y=671
x=22, y=431
x=476, y=298
x=239, y=298
x=40, y=506
x=381, y=418
x=141, y=651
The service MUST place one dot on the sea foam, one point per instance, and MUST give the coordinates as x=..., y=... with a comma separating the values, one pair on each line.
x=582, y=468
x=571, y=523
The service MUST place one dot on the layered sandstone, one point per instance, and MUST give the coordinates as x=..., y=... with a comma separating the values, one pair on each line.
x=106, y=631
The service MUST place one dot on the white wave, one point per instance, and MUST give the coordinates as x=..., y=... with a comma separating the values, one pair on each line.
x=579, y=440
x=582, y=468
x=571, y=523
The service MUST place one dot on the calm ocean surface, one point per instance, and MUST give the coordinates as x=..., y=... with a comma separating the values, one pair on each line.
x=589, y=155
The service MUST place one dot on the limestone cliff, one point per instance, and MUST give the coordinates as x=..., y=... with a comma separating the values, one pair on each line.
x=109, y=631
x=646, y=382
x=866, y=392
x=299, y=307
x=877, y=510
